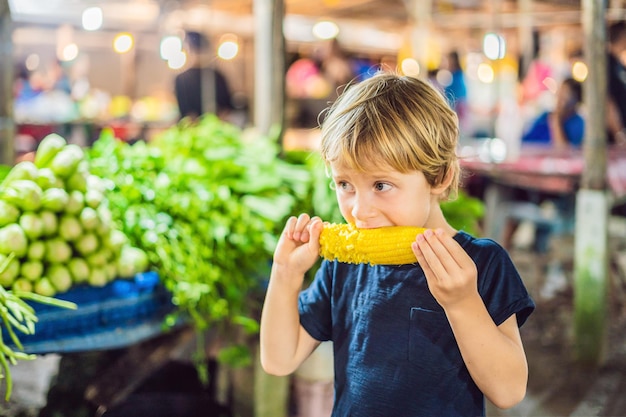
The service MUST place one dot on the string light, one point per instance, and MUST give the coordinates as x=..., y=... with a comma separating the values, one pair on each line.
x=123, y=43
x=494, y=46
x=325, y=30
x=92, y=18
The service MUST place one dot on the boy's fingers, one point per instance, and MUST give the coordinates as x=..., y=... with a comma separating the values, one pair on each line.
x=429, y=260
x=303, y=220
x=300, y=231
x=457, y=253
x=289, y=226
x=315, y=227
x=421, y=259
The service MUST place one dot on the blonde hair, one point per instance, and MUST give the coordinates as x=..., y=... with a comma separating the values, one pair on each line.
x=397, y=122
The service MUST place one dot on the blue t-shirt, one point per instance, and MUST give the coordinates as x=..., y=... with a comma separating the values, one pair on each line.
x=394, y=350
x=539, y=131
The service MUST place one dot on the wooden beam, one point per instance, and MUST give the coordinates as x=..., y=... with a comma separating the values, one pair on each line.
x=267, y=393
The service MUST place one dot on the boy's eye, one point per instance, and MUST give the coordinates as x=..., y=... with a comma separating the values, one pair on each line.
x=343, y=185
x=381, y=186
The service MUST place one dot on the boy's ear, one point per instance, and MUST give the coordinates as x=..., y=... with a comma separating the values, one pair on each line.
x=444, y=184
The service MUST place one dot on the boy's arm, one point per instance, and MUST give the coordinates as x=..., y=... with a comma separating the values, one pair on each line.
x=494, y=355
x=284, y=342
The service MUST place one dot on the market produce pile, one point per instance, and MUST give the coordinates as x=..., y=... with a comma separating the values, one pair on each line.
x=206, y=202
x=56, y=232
x=56, y=224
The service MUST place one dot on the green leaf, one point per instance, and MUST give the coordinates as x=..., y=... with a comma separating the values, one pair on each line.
x=273, y=208
x=46, y=300
x=237, y=356
x=249, y=325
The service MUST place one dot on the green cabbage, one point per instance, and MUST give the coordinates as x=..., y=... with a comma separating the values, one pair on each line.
x=24, y=194
x=22, y=284
x=32, y=225
x=70, y=228
x=10, y=273
x=8, y=213
x=31, y=270
x=36, y=250
x=58, y=251
x=86, y=244
x=50, y=222
x=66, y=161
x=132, y=261
x=24, y=170
x=13, y=239
x=60, y=277
x=75, y=202
x=89, y=218
x=47, y=179
x=79, y=269
x=54, y=199
x=48, y=148
x=44, y=287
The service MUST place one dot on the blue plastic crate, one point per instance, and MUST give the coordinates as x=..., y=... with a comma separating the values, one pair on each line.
x=118, y=314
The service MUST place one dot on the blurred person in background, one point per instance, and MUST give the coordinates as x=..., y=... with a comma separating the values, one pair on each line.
x=455, y=89
x=315, y=78
x=336, y=66
x=201, y=88
x=564, y=126
x=616, y=91
x=561, y=128
x=616, y=79
x=22, y=87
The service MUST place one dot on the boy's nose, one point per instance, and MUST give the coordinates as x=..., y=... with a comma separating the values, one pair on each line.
x=362, y=208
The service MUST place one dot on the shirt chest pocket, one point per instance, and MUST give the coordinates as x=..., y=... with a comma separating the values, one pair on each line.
x=431, y=342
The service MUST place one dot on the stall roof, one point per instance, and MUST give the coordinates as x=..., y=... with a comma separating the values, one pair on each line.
x=150, y=14
x=378, y=25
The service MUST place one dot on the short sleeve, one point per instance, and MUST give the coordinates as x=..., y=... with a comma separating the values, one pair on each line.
x=499, y=282
x=314, y=304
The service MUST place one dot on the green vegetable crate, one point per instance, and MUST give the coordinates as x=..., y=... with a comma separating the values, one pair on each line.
x=123, y=312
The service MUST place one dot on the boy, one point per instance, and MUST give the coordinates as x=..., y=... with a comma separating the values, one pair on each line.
x=425, y=339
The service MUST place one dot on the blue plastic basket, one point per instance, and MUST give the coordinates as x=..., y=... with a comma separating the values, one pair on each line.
x=118, y=314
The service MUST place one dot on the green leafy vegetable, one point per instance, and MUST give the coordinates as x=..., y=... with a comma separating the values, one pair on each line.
x=206, y=203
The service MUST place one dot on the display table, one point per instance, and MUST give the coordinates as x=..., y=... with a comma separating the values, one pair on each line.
x=538, y=168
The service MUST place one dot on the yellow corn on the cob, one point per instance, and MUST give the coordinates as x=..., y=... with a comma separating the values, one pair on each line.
x=380, y=246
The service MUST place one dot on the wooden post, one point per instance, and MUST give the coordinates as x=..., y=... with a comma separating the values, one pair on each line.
x=269, y=83
x=7, y=125
x=592, y=206
x=269, y=394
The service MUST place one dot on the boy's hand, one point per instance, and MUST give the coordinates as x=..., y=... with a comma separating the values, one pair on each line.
x=298, y=247
x=450, y=272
